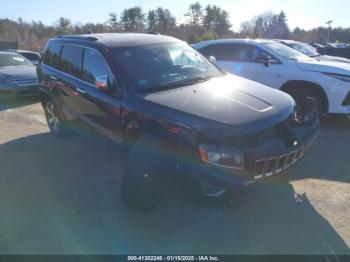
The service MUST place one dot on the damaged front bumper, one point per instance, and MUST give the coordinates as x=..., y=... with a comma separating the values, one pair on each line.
x=290, y=142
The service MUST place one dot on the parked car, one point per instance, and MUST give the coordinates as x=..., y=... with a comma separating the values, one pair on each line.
x=281, y=67
x=180, y=113
x=332, y=49
x=17, y=76
x=33, y=57
x=312, y=52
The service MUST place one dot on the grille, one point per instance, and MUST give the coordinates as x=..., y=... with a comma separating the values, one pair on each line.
x=346, y=101
x=25, y=81
x=275, y=165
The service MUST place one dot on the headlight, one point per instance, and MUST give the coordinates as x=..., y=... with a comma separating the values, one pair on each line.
x=226, y=157
x=344, y=78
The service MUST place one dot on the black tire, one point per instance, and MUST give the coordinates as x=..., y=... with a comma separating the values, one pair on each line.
x=54, y=120
x=301, y=92
x=145, y=174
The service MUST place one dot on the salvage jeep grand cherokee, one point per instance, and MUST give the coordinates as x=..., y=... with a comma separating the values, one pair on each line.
x=178, y=111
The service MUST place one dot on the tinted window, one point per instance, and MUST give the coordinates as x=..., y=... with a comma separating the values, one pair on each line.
x=94, y=65
x=52, y=55
x=31, y=56
x=234, y=52
x=71, y=59
x=248, y=53
x=220, y=51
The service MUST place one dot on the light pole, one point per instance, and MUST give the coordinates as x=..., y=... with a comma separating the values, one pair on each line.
x=329, y=23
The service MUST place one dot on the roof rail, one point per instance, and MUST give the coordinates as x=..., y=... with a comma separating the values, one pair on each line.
x=77, y=37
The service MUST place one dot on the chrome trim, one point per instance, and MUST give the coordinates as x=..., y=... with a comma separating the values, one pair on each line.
x=288, y=160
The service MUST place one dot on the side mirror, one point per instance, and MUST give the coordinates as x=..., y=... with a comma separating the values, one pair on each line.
x=212, y=59
x=102, y=83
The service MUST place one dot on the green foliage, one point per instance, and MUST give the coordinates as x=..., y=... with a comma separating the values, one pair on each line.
x=113, y=21
x=161, y=20
x=217, y=20
x=133, y=19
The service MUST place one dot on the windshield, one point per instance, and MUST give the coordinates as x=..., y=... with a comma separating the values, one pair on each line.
x=161, y=66
x=13, y=60
x=285, y=51
x=304, y=48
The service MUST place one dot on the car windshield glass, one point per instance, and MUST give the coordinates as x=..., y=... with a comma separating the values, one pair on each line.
x=304, y=48
x=13, y=60
x=285, y=51
x=163, y=66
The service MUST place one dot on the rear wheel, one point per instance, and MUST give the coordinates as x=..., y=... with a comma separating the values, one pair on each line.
x=54, y=120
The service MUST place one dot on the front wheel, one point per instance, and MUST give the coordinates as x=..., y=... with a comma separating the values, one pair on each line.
x=143, y=180
x=299, y=94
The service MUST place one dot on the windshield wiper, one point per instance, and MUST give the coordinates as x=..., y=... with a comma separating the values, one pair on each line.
x=176, y=84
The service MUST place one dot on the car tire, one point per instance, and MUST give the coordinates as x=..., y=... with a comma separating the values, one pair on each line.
x=299, y=93
x=54, y=120
x=143, y=179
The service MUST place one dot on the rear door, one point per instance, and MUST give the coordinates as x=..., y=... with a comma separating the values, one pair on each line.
x=69, y=79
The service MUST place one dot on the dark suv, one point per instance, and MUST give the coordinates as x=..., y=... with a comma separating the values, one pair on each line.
x=178, y=113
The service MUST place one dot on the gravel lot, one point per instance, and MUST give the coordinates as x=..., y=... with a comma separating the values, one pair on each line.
x=61, y=196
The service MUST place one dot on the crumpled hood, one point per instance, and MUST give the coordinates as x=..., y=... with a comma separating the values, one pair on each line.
x=18, y=72
x=324, y=67
x=226, y=105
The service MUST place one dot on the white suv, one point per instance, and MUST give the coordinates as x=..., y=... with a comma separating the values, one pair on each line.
x=279, y=66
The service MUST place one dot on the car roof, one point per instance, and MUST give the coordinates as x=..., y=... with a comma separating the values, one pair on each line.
x=116, y=40
x=229, y=41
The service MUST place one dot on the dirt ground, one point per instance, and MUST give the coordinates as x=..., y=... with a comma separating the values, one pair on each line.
x=61, y=196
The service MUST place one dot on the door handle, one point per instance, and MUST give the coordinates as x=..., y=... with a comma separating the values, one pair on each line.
x=80, y=90
x=53, y=77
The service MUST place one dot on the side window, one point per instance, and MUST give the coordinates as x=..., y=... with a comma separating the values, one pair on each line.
x=221, y=52
x=94, y=65
x=243, y=52
x=71, y=60
x=52, y=55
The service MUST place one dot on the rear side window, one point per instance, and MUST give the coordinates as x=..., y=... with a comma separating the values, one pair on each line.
x=94, y=65
x=31, y=56
x=71, y=60
x=234, y=52
x=220, y=51
x=52, y=55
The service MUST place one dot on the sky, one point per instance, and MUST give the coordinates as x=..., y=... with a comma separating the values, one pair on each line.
x=302, y=13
